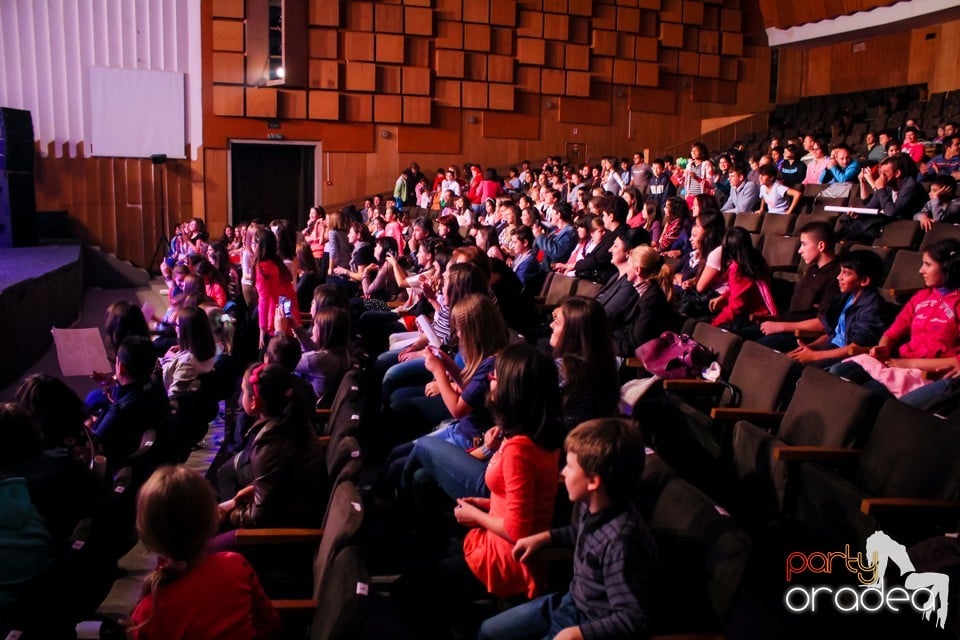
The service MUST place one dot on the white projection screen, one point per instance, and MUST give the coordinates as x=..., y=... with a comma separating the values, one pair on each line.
x=136, y=114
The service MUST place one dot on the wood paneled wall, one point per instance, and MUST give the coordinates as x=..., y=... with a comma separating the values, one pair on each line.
x=116, y=202
x=487, y=81
x=916, y=56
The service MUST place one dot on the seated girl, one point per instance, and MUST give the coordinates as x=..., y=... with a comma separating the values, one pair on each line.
x=522, y=479
x=748, y=283
x=380, y=282
x=405, y=368
x=275, y=480
x=193, y=355
x=458, y=393
x=700, y=275
x=675, y=237
x=651, y=313
x=925, y=334
x=192, y=594
x=323, y=365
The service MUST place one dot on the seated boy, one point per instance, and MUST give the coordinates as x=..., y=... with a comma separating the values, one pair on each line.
x=815, y=290
x=854, y=319
x=140, y=403
x=609, y=596
x=943, y=206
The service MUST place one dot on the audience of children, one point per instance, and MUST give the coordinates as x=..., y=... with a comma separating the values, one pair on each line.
x=488, y=418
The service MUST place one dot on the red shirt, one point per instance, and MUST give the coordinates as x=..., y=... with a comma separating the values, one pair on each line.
x=270, y=286
x=220, y=598
x=523, y=481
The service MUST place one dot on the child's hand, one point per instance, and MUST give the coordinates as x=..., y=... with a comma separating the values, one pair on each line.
x=431, y=389
x=880, y=352
x=770, y=327
x=803, y=353
x=716, y=304
x=570, y=633
x=526, y=547
x=466, y=513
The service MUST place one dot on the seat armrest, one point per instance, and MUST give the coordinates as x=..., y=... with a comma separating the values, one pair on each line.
x=906, y=506
x=734, y=414
x=395, y=304
x=295, y=606
x=324, y=413
x=805, y=334
x=789, y=453
x=689, y=636
x=251, y=537
x=854, y=350
x=633, y=363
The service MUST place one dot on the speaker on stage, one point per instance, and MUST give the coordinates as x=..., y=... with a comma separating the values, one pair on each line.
x=17, y=197
x=16, y=140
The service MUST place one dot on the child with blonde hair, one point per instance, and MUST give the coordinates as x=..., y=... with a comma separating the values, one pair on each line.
x=192, y=594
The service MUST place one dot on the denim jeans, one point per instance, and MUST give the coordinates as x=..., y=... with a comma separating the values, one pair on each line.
x=459, y=474
x=927, y=393
x=541, y=618
x=411, y=373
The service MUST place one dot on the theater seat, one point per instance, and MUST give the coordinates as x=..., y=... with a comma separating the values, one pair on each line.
x=905, y=480
x=824, y=411
x=702, y=553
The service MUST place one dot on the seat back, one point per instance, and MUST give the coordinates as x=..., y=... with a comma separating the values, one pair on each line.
x=725, y=344
x=900, y=234
x=827, y=411
x=587, y=288
x=905, y=271
x=343, y=458
x=341, y=612
x=778, y=225
x=749, y=221
x=347, y=399
x=761, y=375
x=341, y=523
x=940, y=231
x=702, y=556
x=825, y=216
x=560, y=288
x=910, y=454
x=780, y=252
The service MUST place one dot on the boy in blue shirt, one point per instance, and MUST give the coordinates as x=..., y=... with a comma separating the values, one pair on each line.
x=609, y=596
x=855, y=317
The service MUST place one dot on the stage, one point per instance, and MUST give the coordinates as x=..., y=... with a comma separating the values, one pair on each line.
x=40, y=288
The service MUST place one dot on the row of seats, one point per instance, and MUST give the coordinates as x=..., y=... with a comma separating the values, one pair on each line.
x=773, y=440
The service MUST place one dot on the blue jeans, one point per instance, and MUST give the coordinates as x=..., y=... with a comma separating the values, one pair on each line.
x=541, y=618
x=459, y=474
x=927, y=393
x=411, y=373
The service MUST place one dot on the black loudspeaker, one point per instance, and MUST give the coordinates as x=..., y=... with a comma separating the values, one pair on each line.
x=18, y=203
x=16, y=134
x=18, y=208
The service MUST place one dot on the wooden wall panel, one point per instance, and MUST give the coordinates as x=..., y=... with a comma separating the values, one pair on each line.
x=442, y=137
x=522, y=124
x=112, y=202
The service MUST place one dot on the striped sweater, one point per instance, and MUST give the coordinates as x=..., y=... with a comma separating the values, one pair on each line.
x=613, y=555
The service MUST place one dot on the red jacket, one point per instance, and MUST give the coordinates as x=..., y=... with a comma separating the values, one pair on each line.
x=927, y=326
x=744, y=297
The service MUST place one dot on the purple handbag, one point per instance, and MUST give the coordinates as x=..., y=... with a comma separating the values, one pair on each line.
x=674, y=356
